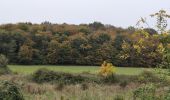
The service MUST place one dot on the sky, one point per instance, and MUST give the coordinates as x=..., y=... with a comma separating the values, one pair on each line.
x=121, y=13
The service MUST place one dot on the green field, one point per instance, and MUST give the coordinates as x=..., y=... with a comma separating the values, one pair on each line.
x=25, y=69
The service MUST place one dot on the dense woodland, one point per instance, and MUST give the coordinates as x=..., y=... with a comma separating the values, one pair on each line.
x=84, y=44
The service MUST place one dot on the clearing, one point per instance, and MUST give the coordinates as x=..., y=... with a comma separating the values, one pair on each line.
x=29, y=69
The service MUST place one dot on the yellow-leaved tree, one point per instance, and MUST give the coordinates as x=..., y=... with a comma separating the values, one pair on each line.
x=107, y=69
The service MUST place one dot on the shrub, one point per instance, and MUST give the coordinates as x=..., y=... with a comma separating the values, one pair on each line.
x=3, y=65
x=9, y=91
x=110, y=79
x=148, y=77
x=4, y=71
x=107, y=69
x=123, y=80
x=44, y=75
x=3, y=61
x=146, y=92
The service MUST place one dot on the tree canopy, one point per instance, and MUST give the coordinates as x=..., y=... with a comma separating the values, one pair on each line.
x=84, y=44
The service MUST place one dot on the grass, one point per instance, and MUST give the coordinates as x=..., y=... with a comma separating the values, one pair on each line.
x=47, y=91
x=25, y=69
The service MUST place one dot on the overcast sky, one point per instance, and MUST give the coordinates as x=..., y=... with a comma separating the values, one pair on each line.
x=116, y=12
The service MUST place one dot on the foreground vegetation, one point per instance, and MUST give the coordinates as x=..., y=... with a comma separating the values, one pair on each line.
x=48, y=83
x=44, y=84
x=34, y=91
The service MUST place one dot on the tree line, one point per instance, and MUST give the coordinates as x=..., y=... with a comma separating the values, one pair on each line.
x=84, y=44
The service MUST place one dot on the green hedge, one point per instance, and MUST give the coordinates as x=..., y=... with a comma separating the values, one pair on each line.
x=44, y=75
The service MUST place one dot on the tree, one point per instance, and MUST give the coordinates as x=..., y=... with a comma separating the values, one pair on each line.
x=7, y=43
x=3, y=61
x=3, y=65
x=66, y=53
x=151, y=31
x=85, y=44
x=162, y=23
x=25, y=54
x=141, y=48
x=53, y=52
x=23, y=26
x=96, y=25
x=107, y=69
x=119, y=40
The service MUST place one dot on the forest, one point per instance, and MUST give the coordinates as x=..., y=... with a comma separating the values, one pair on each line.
x=85, y=44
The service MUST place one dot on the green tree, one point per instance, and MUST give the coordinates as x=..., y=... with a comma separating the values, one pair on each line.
x=53, y=52
x=25, y=54
x=96, y=25
x=141, y=48
x=3, y=61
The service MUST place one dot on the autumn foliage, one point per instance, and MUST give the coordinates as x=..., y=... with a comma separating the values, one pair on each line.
x=107, y=69
x=84, y=44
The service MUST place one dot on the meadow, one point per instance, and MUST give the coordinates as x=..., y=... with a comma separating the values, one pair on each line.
x=122, y=88
x=29, y=69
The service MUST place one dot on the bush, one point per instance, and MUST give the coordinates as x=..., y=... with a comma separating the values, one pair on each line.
x=107, y=69
x=123, y=80
x=44, y=75
x=146, y=92
x=148, y=77
x=9, y=91
x=3, y=65
x=4, y=71
x=110, y=79
x=3, y=61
